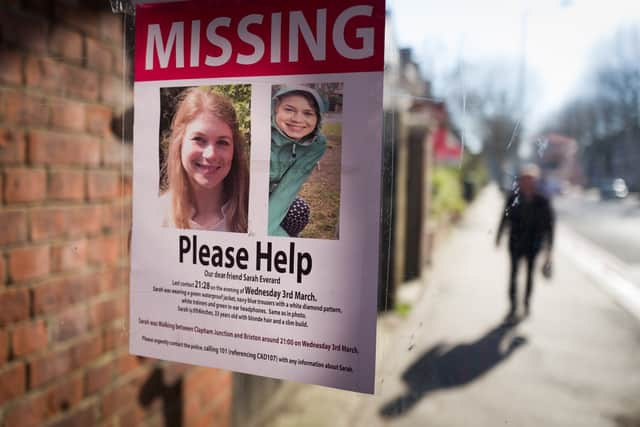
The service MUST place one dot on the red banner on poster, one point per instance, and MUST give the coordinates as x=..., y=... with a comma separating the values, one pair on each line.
x=211, y=38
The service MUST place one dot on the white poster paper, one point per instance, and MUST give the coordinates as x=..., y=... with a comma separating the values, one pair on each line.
x=256, y=198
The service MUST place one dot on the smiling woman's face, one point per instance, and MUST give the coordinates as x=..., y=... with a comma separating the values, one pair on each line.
x=207, y=150
x=295, y=116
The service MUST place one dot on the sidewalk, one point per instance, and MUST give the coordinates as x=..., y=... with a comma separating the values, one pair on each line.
x=453, y=363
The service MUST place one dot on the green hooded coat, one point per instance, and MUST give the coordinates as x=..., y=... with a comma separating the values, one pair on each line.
x=291, y=161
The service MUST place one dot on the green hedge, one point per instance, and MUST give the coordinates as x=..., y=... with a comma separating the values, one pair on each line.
x=446, y=192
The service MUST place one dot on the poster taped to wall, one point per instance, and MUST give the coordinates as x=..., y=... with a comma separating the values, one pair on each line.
x=256, y=198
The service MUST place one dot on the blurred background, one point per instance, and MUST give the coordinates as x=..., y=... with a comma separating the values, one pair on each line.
x=473, y=91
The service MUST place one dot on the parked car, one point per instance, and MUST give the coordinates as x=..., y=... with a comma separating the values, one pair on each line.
x=613, y=188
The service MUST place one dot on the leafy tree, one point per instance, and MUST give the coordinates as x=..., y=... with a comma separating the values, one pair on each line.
x=241, y=97
x=609, y=103
x=491, y=108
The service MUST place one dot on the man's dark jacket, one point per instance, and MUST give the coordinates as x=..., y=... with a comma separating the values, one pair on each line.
x=531, y=223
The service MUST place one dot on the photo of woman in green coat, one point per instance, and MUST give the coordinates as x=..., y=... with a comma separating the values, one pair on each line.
x=297, y=144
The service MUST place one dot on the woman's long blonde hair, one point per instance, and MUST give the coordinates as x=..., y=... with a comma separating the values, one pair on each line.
x=194, y=101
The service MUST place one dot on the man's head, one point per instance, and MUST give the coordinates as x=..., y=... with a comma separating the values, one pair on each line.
x=528, y=179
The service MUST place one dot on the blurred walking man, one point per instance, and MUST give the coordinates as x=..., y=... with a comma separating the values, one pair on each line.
x=530, y=219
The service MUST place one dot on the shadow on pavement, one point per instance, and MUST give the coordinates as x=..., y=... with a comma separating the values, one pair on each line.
x=444, y=368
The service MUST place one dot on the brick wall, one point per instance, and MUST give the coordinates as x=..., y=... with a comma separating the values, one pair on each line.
x=64, y=219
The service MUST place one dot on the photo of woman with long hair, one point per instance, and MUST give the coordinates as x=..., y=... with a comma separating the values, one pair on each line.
x=206, y=172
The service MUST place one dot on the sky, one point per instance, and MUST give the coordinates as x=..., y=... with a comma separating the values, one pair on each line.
x=554, y=37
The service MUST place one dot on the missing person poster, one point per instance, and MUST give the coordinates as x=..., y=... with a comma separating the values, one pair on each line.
x=256, y=198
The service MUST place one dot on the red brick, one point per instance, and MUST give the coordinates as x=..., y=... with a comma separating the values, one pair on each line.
x=103, y=185
x=124, y=277
x=49, y=223
x=98, y=377
x=115, y=153
x=3, y=104
x=12, y=382
x=29, y=338
x=118, y=63
x=218, y=417
x=66, y=395
x=194, y=380
x=85, y=286
x=105, y=250
x=105, y=312
x=116, y=216
x=25, y=109
x=111, y=28
x=118, y=398
x=99, y=56
x=23, y=30
x=70, y=324
x=83, y=84
x=48, y=297
x=81, y=418
x=67, y=115
x=84, y=19
x=85, y=219
x=51, y=296
x=12, y=146
x=66, y=44
x=86, y=351
x=99, y=120
x=66, y=185
x=201, y=384
x=126, y=185
x=15, y=305
x=62, y=79
x=49, y=367
x=115, y=337
x=4, y=346
x=221, y=385
x=222, y=412
x=29, y=263
x=111, y=91
x=24, y=185
x=13, y=227
x=46, y=74
x=3, y=271
x=191, y=410
x=11, y=70
x=51, y=148
x=29, y=412
x=127, y=363
x=109, y=216
x=109, y=280
x=69, y=256
x=208, y=417
x=122, y=302
x=56, y=294
x=132, y=417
